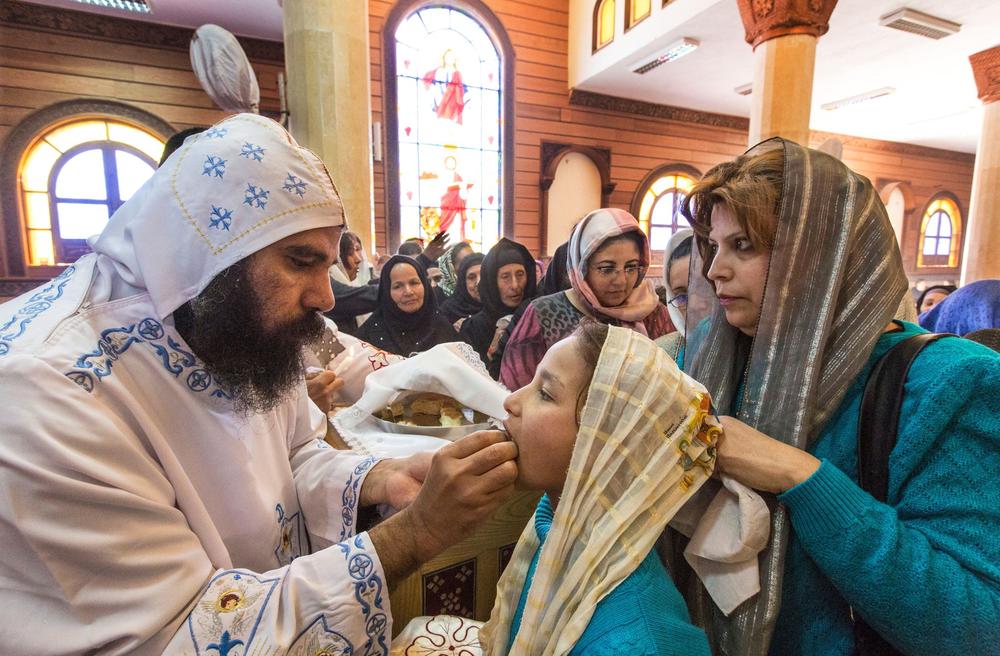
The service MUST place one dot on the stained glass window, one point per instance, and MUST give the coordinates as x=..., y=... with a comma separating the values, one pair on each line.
x=636, y=10
x=449, y=95
x=939, y=234
x=604, y=23
x=74, y=178
x=659, y=210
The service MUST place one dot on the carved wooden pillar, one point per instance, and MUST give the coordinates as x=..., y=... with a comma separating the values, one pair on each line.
x=326, y=59
x=982, y=241
x=783, y=34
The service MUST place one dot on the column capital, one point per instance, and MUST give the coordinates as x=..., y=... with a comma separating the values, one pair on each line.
x=986, y=70
x=764, y=20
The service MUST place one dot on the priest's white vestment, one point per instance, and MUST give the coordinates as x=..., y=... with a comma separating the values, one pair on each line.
x=139, y=513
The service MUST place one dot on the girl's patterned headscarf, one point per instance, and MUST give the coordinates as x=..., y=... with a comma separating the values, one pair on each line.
x=644, y=447
x=834, y=283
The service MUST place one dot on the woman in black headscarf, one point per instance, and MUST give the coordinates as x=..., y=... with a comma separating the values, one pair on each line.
x=407, y=320
x=556, y=278
x=465, y=302
x=507, y=280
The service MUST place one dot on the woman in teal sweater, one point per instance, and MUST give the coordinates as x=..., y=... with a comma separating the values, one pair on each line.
x=801, y=282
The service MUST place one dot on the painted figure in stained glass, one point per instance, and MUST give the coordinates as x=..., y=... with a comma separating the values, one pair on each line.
x=452, y=203
x=449, y=92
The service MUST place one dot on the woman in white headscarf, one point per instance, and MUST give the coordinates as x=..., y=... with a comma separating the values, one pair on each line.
x=676, y=265
x=607, y=260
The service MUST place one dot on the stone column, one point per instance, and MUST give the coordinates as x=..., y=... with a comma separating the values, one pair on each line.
x=982, y=237
x=329, y=97
x=783, y=34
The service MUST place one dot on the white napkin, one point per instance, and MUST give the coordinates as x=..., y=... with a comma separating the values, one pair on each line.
x=728, y=529
x=452, y=369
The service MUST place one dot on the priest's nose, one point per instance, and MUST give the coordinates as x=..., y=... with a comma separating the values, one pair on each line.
x=319, y=295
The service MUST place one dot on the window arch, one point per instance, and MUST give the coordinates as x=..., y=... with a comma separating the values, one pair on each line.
x=604, y=23
x=74, y=177
x=448, y=123
x=635, y=11
x=940, y=234
x=657, y=204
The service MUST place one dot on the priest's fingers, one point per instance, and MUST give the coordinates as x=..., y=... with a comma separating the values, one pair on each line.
x=490, y=457
x=472, y=443
x=497, y=478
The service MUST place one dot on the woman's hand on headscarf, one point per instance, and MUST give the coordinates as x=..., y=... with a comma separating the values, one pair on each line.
x=760, y=461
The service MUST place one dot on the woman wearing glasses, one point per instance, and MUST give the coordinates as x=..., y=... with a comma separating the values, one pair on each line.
x=607, y=260
x=676, y=264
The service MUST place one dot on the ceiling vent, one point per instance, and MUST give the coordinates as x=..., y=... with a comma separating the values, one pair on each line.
x=858, y=99
x=915, y=22
x=674, y=51
x=137, y=6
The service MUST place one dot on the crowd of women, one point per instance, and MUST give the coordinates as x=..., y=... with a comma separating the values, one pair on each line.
x=780, y=300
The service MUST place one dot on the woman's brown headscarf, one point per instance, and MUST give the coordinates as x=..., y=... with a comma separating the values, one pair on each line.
x=835, y=281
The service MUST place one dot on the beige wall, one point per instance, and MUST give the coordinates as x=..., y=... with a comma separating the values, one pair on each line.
x=575, y=190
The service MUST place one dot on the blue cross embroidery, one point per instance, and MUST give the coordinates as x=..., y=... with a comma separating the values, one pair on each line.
x=216, y=133
x=256, y=197
x=224, y=645
x=295, y=185
x=220, y=219
x=252, y=150
x=214, y=166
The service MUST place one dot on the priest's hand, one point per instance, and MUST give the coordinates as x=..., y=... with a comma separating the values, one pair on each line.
x=465, y=483
x=322, y=386
x=395, y=481
x=760, y=461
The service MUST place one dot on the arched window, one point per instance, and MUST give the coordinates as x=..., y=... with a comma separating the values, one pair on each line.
x=940, y=234
x=450, y=129
x=657, y=205
x=635, y=11
x=604, y=23
x=74, y=177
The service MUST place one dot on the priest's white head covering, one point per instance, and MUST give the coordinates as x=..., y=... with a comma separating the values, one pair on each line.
x=223, y=69
x=225, y=194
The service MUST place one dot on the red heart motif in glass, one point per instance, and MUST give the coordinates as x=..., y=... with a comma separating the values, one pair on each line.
x=409, y=195
x=490, y=198
x=407, y=131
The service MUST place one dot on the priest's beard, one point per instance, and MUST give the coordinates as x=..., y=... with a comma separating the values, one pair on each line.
x=225, y=327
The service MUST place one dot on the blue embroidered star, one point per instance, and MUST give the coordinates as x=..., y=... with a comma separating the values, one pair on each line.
x=216, y=133
x=256, y=197
x=252, y=150
x=294, y=185
x=214, y=166
x=220, y=219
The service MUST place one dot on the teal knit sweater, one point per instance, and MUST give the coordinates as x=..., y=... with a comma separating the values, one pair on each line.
x=644, y=616
x=923, y=570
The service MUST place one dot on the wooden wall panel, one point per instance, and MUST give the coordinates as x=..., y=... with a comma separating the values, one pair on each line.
x=638, y=144
x=39, y=67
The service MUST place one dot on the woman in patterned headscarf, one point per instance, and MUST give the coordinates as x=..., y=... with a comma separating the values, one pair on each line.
x=801, y=282
x=449, y=263
x=607, y=259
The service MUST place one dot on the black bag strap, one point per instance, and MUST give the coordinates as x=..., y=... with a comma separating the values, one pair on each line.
x=877, y=428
